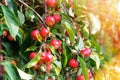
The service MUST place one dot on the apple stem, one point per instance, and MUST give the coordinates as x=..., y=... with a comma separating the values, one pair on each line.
x=41, y=19
x=1, y=56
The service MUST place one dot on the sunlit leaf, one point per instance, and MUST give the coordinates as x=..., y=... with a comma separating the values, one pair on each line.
x=24, y=75
x=95, y=23
x=84, y=68
x=31, y=48
x=80, y=44
x=30, y=15
x=96, y=58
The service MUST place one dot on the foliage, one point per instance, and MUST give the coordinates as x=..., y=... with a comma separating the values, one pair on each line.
x=21, y=18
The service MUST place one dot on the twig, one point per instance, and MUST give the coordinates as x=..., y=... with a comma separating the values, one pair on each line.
x=41, y=19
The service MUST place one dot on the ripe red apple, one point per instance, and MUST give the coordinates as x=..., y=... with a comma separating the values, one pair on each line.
x=80, y=77
x=5, y=33
x=57, y=17
x=50, y=21
x=32, y=55
x=34, y=34
x=48, y=58
x=56, y=43
x=10, y=38
x=85, y=52
x=43, y=56
x=73, y=63
x=90, y=74
x=51, y=3
x=66, y=33
x=48, y=67
x=44, y=32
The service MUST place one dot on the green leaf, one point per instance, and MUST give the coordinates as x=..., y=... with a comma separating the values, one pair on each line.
x=12, y=6
x=11, y=21
x=96, y=58
x=24, y=75
x=70, y=32
x=84, y=68
x=30, y=15
x=33, y=62
x=10, y=70
x=2, y=51
x=64, y=56
x=31, y=48
x=95, y=23
x=80, y=44
x=21, y=17
x=58, y=67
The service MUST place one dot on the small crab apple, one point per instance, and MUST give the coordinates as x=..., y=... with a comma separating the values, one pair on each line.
x=51, y=3
x=50, y=21
x=5, y=33
x=48, y=58
x=43, y=56
x=34, y=34
x=85, y=52
x=57, y=17
x=44, y=32
x=48, y=67
x=80, y=77
x=90, y=74
x=66, y=33
x=32, y=55
x=10, y=38
x=73, y=63
x=56, y=43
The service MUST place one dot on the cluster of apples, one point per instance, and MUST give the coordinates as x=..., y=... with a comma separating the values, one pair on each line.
x=46, y=56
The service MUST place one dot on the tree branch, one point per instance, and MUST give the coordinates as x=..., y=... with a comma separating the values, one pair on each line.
x=41, y=19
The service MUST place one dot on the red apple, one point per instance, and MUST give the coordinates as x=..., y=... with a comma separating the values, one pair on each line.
x=5, y=33
x=51, y=3
x=48, y=58
x=85, y=52
x=57, y=17
x=73, y=63
x=10, y=38
x=80, y=77
x=50, y=21
x=32, y=55
x=56, y=43
x=34, y=34
x=44, y=32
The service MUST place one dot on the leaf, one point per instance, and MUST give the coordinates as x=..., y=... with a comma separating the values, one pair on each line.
x=84, y=68
x=96, y=58
x=70, y=32
x=34, y=61
x=30, y=15
x=21, y=17
x=11, y=21
x=58, y=66
x=31, y=48
x=64, y=56
x=10, y=70
x=12, y=6
x=2, y=51
x=24, y=75
x=95, y=23
x=79, y=45
x=71, y=12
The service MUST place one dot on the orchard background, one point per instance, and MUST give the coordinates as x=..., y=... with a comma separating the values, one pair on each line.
x=54, y=39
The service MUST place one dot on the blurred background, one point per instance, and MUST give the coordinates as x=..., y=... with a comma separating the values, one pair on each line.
x=108, y=12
